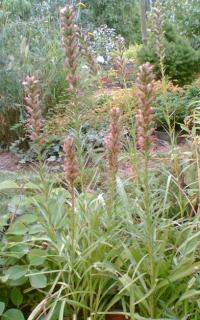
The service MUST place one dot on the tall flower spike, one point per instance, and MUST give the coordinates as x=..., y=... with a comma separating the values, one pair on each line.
x=112, y=141
x=144, y=115
x=157, y=27
x=33, y=108
x=69, y=31
x=71, y=168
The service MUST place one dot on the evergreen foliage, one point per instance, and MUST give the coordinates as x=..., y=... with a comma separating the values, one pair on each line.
x=181, y=60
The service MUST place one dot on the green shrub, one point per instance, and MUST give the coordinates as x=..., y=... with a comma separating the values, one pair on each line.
x=132, y=51
x=178, y=105
x=181, y=60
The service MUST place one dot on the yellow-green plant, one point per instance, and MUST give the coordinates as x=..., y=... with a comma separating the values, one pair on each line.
x=131, y=52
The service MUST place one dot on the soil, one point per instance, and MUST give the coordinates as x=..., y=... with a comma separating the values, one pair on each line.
x=10, y=162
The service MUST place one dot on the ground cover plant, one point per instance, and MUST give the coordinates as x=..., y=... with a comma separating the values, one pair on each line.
x=114, y=230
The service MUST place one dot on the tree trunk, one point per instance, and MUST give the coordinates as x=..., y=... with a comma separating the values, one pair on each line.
x=143, y=21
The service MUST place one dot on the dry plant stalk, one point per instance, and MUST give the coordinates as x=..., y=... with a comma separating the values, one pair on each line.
x=120, y=63
x=71, y=168
x=32, y=99
x=112, y=142
x=144, y=115
x=69, y=31
x=87, y=55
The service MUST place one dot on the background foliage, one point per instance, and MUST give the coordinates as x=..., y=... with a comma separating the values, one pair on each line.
x=181, y=60
x=123, y=16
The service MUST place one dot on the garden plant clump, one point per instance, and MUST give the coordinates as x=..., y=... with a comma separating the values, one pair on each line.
x=114, y=232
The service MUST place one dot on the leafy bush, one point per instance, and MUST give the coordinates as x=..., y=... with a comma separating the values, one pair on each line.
x=178, y=105
x=181, y=60
x=132, y=51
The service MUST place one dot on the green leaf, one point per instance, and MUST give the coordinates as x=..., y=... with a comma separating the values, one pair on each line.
x=2, y=307
x=31, y=186
x=121, y=191
x=16, y=205
x=190, y=295
x=38, y=281
x=17, y=228
x=8, y=185
x=37, y=257
x=3, y=279
x=36, y=228
x=62, y=310
x=17, y=283
x=18, y=250
x=180, y=273
x=16, y=272
x=27, y=218
x=13, y=314
x=4, y=220
x=16, y=297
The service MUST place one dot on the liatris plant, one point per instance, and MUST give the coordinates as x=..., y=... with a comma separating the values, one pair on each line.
x=112, y=142
x=33, y=108
x=158, y=21
x=71, y=168
x=70, y=44
x=144, y=116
